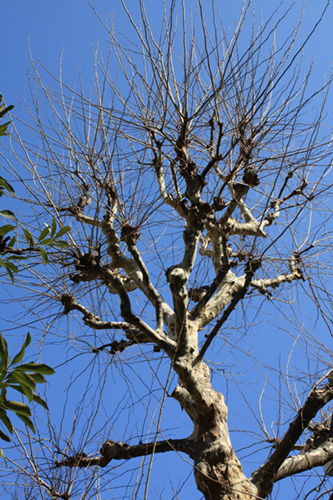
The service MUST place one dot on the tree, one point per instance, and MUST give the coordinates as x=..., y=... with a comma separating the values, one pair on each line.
x=196, y=184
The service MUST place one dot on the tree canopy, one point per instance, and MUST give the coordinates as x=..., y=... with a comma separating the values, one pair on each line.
x=196, y=181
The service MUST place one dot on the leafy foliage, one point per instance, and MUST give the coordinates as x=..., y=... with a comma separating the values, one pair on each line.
x=23, y=378
x=13, y=375
x=3, y=111
x=49, y=236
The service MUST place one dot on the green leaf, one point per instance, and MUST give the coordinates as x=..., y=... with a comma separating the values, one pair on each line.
x=10, y=268
x=61, y=244
x=62, y=231
x=36, y=367
x=5, y=229
x=3, y=374
x=4, y=110
x=3, y=128
x=9, y=272
x=11, y=243
x=20, y=377
x=28, y=237
x=4, y=437
x=4, y=184
x=9, y=265
x=18, y=408
x=40, y=401
x=26, y=391
x=44, y=233
x=34, y=397
x=27, y=422
x=8, y=214
x=17, y=257
x=43, y=255
x=53, y=227
x=19, y=356
x=38, y=378
x=47, y=241
x=3, y=352
x=26, y=382
x=5, y=420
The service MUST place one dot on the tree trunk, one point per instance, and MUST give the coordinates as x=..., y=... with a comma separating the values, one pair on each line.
x=219, y=475
x=218, y=472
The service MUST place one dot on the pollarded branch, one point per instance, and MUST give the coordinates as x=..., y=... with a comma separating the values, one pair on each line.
x=263, y=285
x=137, y=273
x=186, y=401
x=177, y=277
x=253, y=226
x=120, y=346
x=214, y=157
x=118, y=259
x=230, y=285
x=77, y=209
x=135, y=268
x=91, y=319
x=88, y=268
x=206, y=293
x=133, y=335
x=91, y=271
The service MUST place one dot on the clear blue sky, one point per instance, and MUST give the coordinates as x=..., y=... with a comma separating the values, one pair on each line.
x=69, y=26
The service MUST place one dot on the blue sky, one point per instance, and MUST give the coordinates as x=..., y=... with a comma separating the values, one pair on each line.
x=71, y=28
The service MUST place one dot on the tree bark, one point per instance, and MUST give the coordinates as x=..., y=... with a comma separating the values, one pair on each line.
x=217, y=470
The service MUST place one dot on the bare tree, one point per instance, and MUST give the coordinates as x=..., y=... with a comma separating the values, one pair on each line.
x=196, y=183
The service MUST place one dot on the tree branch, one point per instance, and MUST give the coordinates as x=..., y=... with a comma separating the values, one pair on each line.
x=133, y=335
x=122, y=451
x=251, y=268
x=177, y=276
x=296, y=273
x=178, y=203
x=306, y=461
x=265, y=476
x=158, y=338
x=154, y=296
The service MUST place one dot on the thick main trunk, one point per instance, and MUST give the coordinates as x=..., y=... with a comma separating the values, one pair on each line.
x=218, y=472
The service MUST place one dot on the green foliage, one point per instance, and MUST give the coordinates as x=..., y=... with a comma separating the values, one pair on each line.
x=3, y=111
x=5, y=186
x=23, y=379
x=49, y=236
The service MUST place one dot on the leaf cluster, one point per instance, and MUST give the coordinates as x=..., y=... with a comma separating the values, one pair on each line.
x=23, y=378
x=49, y=236
x=3, y=110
